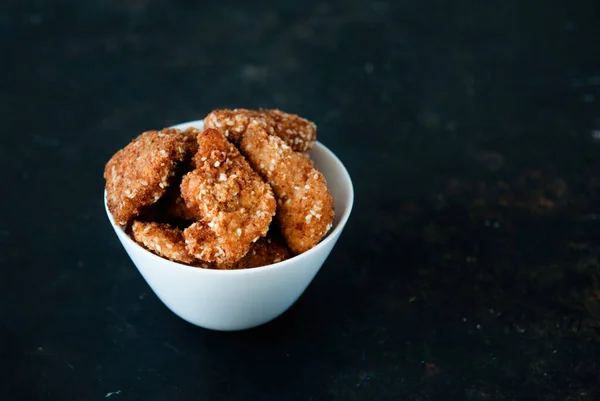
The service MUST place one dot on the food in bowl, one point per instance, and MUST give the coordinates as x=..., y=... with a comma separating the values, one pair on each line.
x=241, y=193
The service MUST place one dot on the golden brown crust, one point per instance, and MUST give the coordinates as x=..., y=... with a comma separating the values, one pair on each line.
x=138, y=175
x=190, y=137
x=305, y=205
x=299, y=133
x=162, y=239
x=232, y=123
x=306, y=156
x=198, y=240
x=266, y=251
x=164, y=181
x=296, y=131
x=235, y=205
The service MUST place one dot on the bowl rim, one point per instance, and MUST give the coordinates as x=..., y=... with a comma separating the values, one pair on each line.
x=279, y=265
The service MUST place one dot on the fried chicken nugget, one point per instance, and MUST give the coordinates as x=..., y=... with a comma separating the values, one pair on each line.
x=266, y=251
x=138, y=175
x=305, y=205
x=162, y=239
x=299, y=133
x=296, y=131
x=236, y=206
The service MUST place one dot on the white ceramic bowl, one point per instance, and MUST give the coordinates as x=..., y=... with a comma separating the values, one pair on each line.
x=240, y=299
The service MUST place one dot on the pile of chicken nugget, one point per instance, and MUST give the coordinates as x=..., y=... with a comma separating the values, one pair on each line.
x=241, y=193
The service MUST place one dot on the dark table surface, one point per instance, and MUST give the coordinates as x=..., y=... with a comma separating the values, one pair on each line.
x=470, y=266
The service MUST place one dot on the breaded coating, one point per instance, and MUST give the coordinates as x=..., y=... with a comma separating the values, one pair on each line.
x=190, y=136
x=305, y=205
x=235, y=204
x=296, y=131
x=299, y=133
x=232, y=123
x=162, y=239
x=200, y=240
x=266, y=251
x=138, y=175
x=307, y=157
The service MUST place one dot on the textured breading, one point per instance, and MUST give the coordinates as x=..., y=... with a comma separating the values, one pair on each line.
x=235, y=205
x=307, y=157
x=162, y=239
x=138, y=175
x=232, y=123
x=266, y=251
x=296, y=131
x=164, y=181
x=190, y=136
x=299, y=133
x=305, y=205
x=200, y=240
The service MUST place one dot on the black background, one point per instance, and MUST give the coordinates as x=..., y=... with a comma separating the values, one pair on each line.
x=469, y=268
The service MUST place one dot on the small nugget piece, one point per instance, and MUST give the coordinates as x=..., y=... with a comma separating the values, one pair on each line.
x=200, y=241
x=299, y=133
x=233, y=123
x=162, y=239
x=305, y=205
x=296, y=131
x=138, y=175
x=235, y=204
x=266, y=251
